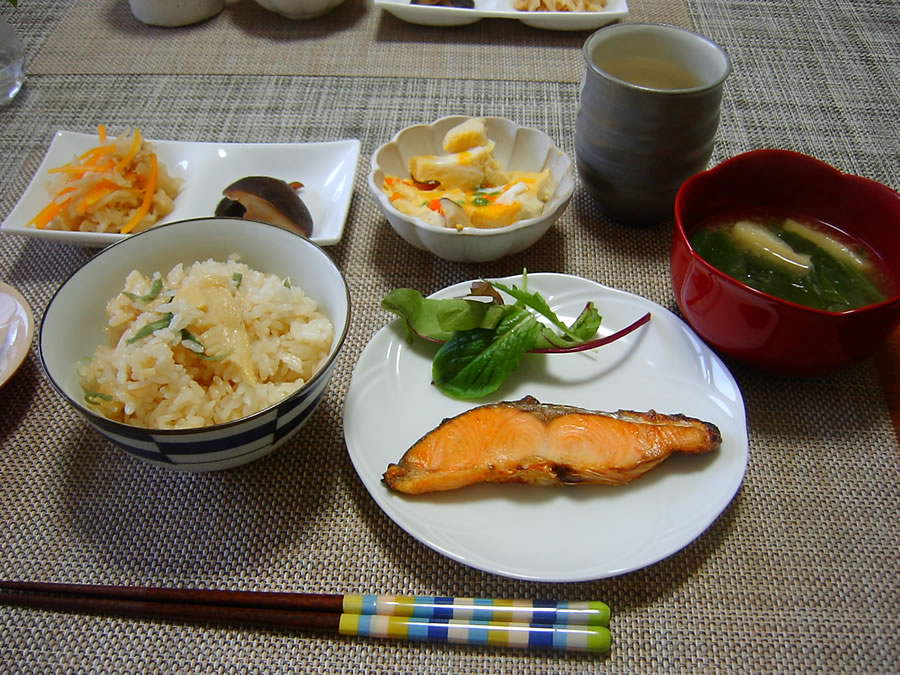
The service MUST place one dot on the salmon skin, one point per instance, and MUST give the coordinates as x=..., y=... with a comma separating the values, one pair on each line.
x=527, y=441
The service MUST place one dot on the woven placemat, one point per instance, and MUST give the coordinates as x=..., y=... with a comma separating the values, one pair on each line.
x=797, y=575
x=804, y=540
x=102, y=37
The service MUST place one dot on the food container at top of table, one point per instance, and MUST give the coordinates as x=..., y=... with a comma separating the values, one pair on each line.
x=175, y=12
x=300, y=9
x=76, y=321
x=515, y=149
x=798, y=194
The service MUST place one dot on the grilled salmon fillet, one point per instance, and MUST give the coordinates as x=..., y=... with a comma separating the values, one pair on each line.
x=527, y=441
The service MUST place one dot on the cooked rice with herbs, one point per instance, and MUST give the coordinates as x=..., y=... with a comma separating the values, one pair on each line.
x=204, y=345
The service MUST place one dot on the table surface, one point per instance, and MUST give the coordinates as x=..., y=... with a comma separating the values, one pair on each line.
x=889, y=367
x=799, y=571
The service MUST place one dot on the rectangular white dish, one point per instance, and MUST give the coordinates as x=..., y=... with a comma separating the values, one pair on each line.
x=437, y=15
x=327, y=171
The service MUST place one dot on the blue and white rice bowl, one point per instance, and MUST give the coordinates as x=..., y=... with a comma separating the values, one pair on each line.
x=75, y=320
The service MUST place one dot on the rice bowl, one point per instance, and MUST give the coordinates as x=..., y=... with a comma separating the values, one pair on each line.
x=225, y=433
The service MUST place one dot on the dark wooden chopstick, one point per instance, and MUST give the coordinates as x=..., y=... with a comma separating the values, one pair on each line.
x=316, y=602
x=180, y=611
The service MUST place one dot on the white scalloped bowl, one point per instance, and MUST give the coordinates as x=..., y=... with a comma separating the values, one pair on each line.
x=517, y=148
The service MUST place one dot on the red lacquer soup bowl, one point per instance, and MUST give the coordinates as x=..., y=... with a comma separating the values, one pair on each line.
x=761, y=329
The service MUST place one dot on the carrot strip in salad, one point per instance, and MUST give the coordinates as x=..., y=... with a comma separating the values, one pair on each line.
x=135, y=146
x=97, y=151
x=149, y=191
x=79, y=171
x=95, y=196
x=48, y=213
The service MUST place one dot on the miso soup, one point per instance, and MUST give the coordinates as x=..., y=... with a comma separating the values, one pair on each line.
x=802, y=261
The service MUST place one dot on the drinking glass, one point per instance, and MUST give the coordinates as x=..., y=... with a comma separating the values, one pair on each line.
x=12, y=63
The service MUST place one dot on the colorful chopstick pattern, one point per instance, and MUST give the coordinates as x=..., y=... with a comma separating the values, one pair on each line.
x=545, y=612
x=472, y=632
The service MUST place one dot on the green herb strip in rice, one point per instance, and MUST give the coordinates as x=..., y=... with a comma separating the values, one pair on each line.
x=202, y=346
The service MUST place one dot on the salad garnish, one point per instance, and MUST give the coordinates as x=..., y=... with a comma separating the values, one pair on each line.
x=483, y=339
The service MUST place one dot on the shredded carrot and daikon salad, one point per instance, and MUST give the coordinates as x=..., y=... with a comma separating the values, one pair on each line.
x=468, y=187
x=117, y=186
x=560, y=5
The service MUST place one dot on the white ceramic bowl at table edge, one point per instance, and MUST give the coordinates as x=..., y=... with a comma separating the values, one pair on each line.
x=75, y=319
x=300, y=9
x=517, y=148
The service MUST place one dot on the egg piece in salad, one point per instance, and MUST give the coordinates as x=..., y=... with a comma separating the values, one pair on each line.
x=467, y=187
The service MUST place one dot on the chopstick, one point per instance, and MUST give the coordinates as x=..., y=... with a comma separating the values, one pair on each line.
x=579, y=613
x=574, y=626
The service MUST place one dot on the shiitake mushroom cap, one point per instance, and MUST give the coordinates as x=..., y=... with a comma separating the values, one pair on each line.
x=269, y=199
x=230, y=208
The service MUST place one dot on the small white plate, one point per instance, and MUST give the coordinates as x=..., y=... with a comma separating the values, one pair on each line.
x=569, y=533
x=327, y=171
x=16, y=331
x=434, y=15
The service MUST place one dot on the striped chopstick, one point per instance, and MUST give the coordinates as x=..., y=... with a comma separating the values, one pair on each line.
x=575, y=626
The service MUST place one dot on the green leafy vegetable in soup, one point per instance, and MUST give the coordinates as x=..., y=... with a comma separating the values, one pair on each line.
x=799, y=262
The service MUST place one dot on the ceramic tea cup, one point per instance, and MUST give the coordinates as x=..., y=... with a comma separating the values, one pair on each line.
x=647, y=116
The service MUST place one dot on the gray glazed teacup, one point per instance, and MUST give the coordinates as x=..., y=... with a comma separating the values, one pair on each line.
x=647, y=116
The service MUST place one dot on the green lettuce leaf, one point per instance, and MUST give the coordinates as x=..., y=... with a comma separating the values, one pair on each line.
x=438, y=320
x=474, y=363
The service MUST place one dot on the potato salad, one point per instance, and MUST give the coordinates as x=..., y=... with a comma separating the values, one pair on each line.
x=467, y=187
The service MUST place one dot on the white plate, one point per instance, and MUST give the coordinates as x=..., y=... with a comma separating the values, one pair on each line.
x=432, y=15
x=558, y=534
x=16, y=331
x=327, y=171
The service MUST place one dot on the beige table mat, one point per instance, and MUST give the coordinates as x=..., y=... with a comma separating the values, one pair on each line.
x=798, y=574
x=354, y=39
